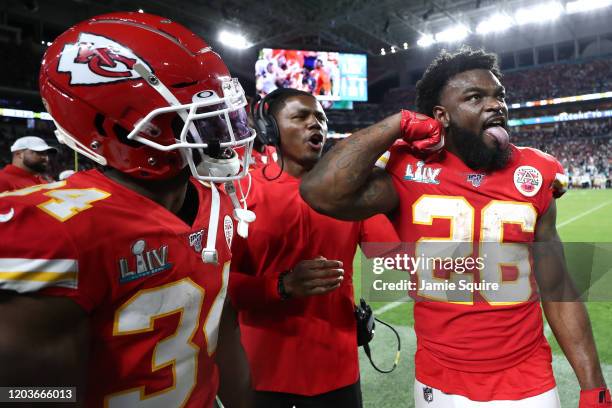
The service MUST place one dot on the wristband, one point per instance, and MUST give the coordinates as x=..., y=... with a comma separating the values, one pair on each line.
x=280, y=286
x=595, y=398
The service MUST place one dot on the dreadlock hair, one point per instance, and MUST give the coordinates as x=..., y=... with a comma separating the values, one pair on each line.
x=446, y=66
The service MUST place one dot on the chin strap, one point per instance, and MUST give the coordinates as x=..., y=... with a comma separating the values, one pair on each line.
x=241, y=214
x=209, y=254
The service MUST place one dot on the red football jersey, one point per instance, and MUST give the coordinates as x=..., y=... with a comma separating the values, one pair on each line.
x=445, y=200
x=13, y=177
x=261, y=159
x=136, y=268
x=305, y=346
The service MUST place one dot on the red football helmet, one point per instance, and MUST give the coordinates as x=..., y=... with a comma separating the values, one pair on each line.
x=140, y=93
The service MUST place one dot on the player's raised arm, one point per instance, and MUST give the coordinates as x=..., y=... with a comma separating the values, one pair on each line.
x=345, y=184
x=43, y=342
x=565, y=313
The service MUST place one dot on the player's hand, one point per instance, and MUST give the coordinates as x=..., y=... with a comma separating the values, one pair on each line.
x=595, y=398
x=313, y=277
x=423, y=134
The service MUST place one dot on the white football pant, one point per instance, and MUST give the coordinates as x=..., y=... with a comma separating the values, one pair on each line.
x=428, y=397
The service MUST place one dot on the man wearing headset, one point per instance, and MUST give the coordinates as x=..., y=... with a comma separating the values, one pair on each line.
x=302, y=348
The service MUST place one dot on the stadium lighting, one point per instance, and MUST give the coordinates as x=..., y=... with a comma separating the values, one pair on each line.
x=382, y=51
x=496, y=23
x=393, y=49
x=233, y=40
x=542, y=12
x=452, y=34
x=24, y=114
x=582, y=6
x=141, y=11
x=405, y=45
x=426, y=41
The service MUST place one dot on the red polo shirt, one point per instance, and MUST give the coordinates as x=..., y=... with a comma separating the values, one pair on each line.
x=15, y=178
x=303, y=346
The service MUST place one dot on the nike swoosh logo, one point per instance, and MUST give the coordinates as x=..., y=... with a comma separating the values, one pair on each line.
x=7, y=216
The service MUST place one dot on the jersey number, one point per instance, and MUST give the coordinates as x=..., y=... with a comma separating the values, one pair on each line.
x=64, y=204
x=458, y=243
x=178, y=350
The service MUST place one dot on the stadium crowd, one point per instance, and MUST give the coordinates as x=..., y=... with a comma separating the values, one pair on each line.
x=523, y=85
x=570, y=141
x=558, y=80
x=584, y=148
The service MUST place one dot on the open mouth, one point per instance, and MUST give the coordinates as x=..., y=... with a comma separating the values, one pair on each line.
x=315, y=141
x=493, y=122
x=495, y=129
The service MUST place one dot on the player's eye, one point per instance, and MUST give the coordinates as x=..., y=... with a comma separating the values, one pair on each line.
x=474, y=97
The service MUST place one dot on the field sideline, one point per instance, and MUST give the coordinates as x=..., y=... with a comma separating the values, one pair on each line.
x=582, y=216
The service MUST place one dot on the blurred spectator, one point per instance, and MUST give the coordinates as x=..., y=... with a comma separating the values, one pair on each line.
x=29, y=164
x=584, y=148
x=557, y=80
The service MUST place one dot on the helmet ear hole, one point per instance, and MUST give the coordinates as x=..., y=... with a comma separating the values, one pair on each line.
x=121, y=134
x=99, y=124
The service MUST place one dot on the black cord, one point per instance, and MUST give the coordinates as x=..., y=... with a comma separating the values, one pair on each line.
x=282, y=164
x=366, y=348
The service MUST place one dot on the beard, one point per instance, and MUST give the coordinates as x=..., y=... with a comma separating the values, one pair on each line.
x=475, y=153
x=35, y=166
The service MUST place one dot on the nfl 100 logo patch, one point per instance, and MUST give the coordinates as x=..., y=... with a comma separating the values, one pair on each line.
x=475, y=179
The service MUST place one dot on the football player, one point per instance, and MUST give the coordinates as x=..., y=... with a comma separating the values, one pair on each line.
x=115, y=281
x=479, y=188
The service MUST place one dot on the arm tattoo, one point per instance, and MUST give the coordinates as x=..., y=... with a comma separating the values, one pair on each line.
x=342, y=182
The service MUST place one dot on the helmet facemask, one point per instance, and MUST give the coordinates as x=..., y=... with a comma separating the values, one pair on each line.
x=212, y=127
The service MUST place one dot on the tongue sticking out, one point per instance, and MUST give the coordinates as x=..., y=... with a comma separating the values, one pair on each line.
x=498, y=133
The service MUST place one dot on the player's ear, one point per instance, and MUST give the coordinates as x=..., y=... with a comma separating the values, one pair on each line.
x=441, y=114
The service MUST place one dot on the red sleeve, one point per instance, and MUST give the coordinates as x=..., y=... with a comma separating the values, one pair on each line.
x=247, y=290
x=37, y=255
x=252, y=292
x=378, y=229
x=554, y=183
x=378, y=236
x=5, y=184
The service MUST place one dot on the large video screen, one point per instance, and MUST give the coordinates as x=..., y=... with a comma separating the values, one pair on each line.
x=330, y=76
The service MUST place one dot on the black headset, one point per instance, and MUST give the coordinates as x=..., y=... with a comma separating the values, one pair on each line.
x=265, y=124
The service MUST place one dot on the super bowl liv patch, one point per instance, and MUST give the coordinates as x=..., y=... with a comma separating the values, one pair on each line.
x=422, y=173
x=144, y=263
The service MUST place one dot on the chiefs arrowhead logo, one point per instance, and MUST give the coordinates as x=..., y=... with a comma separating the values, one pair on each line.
x=101, y=60
x=94, y=59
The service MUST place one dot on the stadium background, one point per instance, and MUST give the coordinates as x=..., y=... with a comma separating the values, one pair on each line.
x=564, y=53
